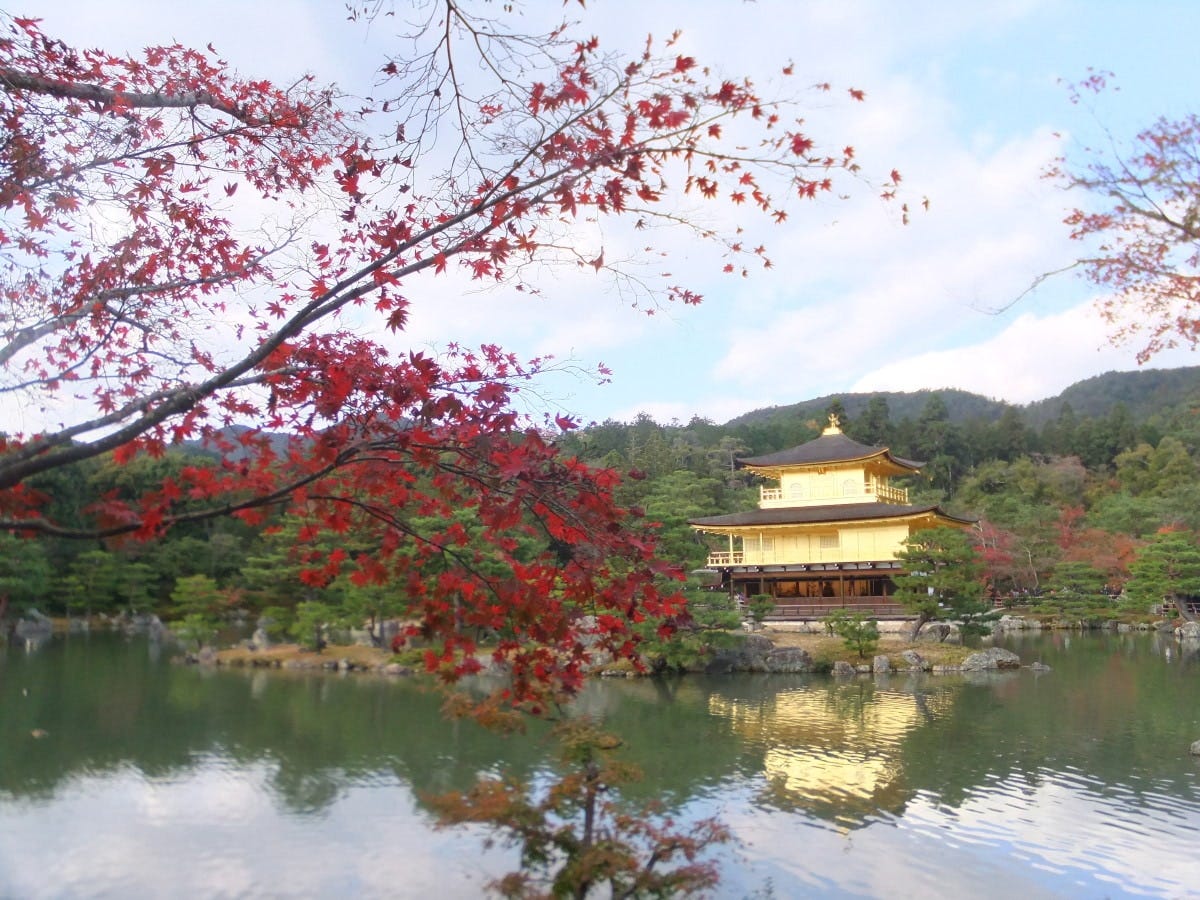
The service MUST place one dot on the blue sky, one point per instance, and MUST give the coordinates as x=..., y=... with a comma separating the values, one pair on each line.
x=963, y=97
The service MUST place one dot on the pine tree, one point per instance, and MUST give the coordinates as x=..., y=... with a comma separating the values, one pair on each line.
x=943, y=578
x=1167, y=570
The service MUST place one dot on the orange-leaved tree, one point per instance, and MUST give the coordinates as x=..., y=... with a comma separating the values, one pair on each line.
x=192, y=256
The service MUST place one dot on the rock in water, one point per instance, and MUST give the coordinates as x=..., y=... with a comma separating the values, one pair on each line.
x=788, y=660
x=991, y=658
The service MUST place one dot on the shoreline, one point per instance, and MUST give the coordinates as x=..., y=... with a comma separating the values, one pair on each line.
x=764, y=650
x=775, y=647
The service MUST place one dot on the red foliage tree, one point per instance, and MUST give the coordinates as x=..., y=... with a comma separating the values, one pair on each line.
x=1107, y=552
x=141, y=312
x=997, y=551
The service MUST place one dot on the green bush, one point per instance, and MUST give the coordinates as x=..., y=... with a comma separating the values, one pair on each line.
x=858, y=633
x=712, y=610
x=312, y=621
x=761, y=606
x=413, y=657
x=197, y=628
x=277, y=621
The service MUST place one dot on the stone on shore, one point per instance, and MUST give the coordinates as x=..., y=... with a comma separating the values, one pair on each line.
x=750, y=655
x=940, y=633
x=788, y=660
x=991, y=658
x=33, y=625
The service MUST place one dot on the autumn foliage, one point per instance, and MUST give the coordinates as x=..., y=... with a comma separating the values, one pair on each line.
x=191, y=256
x=1140, y=223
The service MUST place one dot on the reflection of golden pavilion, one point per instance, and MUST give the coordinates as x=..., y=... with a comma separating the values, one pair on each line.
x=835, y=752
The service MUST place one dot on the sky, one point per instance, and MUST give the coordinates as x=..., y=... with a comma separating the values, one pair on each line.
x=967, y=100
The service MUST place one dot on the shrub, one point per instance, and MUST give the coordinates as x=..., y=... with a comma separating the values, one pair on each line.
x=195, y=627
x=857, y=632
x=761, y=606
x=312, y=621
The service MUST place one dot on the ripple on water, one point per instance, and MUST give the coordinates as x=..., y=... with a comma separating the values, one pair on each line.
x=1070, y=826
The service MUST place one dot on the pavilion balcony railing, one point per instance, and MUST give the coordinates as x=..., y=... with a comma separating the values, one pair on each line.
x=727, y=558
x=869, y=606
x=882, y=493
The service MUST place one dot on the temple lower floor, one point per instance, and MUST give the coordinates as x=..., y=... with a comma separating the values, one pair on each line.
x=813, y=591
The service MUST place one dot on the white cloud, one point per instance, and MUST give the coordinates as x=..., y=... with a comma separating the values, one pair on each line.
x=875, y=291
x=1034, y=357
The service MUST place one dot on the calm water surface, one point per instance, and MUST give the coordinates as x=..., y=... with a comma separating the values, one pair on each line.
x=153, y=780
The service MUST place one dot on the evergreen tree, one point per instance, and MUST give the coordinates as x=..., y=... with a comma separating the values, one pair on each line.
x=937, y=442
x=1077, y=588
x=1010, y=439
x=1171, y=467
x=97, y=574
x=1167, y=570
x=24, y=573
x=942, y=579
x=199, y=604
x=873, y=426
x=836, y=412
x=1058, y=436
x=671, y=501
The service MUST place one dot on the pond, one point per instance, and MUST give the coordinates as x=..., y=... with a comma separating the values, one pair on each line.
x=122, y=775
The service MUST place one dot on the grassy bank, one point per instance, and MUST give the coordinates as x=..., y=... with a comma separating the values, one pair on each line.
x=825, y=651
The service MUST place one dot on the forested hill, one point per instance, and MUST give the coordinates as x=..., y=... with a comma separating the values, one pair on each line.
x=1144, y=394
x=962, y=406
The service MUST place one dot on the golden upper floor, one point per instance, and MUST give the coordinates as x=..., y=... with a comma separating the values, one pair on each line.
x=833, y=469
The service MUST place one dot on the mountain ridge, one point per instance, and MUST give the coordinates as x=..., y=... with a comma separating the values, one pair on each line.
x=1144, y=392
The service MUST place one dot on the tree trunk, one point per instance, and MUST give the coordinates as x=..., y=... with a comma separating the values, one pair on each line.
x=1184, y=608
x=922, y=619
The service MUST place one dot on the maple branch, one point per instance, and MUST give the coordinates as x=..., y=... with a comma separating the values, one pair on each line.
x=40, y=454
x=25, y=337
x=18, y=80
x=1034, y=285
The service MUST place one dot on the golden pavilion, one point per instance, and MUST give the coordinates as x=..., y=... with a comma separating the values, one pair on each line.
x=826, y=535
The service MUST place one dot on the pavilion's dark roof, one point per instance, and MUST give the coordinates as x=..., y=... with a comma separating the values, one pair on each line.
x=817, y=515
x=828, y=448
